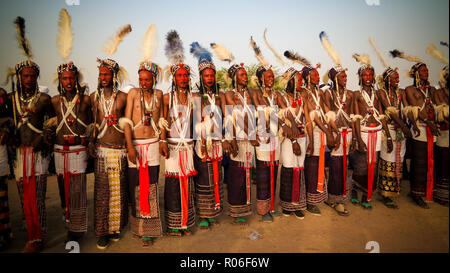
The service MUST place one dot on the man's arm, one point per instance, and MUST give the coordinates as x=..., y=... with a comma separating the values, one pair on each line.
x=132, y=153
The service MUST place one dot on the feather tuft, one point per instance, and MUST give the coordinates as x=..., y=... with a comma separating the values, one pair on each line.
x=222, y=52
x=294, y=57
x=329, y=49
x=111, y=47
x=201, y=53
x=380, y=55
x=64, y=39
x=21, y=37
x=363, y=59
x=174, y=48
x=273, y=50
x=432, y=50
x=444, y=44
x=149, y=43
x=398, y=54
x=258, y=54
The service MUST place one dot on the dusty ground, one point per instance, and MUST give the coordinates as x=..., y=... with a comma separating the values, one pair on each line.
x=408, y=229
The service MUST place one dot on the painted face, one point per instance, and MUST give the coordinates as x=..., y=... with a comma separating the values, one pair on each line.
x=105, y=77
x=367, y=77
x=394, y=79
x=299, y=80
x=423, y=73
x=269, y=78
x=208, y=77
x=314, y=76
x=68, y=80
x=242, y=77
x=182, y=78
x=29, y=78
x=342, y=79
x=145, y=80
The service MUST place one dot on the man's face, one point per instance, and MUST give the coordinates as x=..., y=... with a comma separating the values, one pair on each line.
x=367, y=77
x=314, y=76
x=68, y=80
x=182, y=78
x=423, y=73
x=342, y=79
x=145, y=80
x=105, y=77
x=269, y=78
x=208, y=77
x=242, y=77
x=299, y=80
x=394, y=79
x=29, y=78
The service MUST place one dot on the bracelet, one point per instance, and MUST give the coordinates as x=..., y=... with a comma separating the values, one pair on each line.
x=283, y=124
x=389, y=138
x=294, y=141
x=163, y=140
x=223, y=140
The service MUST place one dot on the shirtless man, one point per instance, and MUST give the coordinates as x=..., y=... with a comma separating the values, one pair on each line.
x=29, y=110
x=73, y=114
x=320, y=133
x=391, y=164
x=420, y=111
x=240, y=138
x=142, y=113
x=107, y=146
x=369, y=123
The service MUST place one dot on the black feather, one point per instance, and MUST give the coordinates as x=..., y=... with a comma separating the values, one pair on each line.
x=23, y=43
x=296, y=58
x=396, y=53
x=444, y=44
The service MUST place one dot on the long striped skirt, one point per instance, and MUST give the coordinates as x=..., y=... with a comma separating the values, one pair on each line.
x=419, y=167
x=5, y=225
x=313, y=196
x=441, y=187
x=264, y=196
x=239, y=201
x=292, y=195
x=110, y=192
x=360, y=177
x=209, y=203
x=336, y=191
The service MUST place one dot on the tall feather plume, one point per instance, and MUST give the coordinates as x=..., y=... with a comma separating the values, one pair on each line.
x=273, y=50
x=258, y=54
x=64, y=39
x=200, y=52
x=149, y=43
x=432, y=50
x=329, y=49
x=444, y=44
x=21, y=37
x=364, y=59
x=296, y=58
x=174, y=48
x=113, y=43
x=380, y=55
x=222, y=52
x=398, y=54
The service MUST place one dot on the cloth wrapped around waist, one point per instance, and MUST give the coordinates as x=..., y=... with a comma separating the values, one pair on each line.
x=365, y=135
x=391, y=156
x=423, y=133
x=113, y=157
x=288, y=158
x=148, y=149
x=214, y=152
x=246, y=153
x=316, y=138
x=340, y=150
x=181, y=160
x=76, y=159
x=264, y=149
x=40, y=162
x=442, y=140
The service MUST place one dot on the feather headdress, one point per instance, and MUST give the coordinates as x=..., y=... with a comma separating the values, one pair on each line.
x=363, y=59
x=222, y=52
x=149, y=43
x=380, y=55
x=262, y=61
x=200, y=53
x=273, y=50
x=329, y=49
x=444, y=44
x=24, y=44
x=432, y=50
x=64, y=39
x=174, y=48
x=296, y=58
x=399, y=54
x=111, y=47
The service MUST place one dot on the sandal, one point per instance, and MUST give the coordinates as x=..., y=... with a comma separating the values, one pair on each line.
x=204, y=225
x=365, y=204
x=355, y=200
x=187, y=232
x=240, y=221
x=341, y=210
x=147, y=241
x=213, y=222
x=174, y=232
x=388, y=202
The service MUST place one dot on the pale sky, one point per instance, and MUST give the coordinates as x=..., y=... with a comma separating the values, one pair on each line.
x=408, y=25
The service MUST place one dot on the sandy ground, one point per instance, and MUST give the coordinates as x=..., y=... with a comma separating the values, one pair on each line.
x=408, y=229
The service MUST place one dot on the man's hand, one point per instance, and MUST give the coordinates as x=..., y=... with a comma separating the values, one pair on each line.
x=353, y=146
x=362, y=146
x=433, y=128
x=226, y=147
x=163, y=150
x=406, y=132
x=288, y=132
x=234, y=148
x=37, y=143
x=92, y=150
x=415, y=129
x=296, y=149
x=390, y=145
x=310, y=149
x=132, y=155
x=337, y=141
